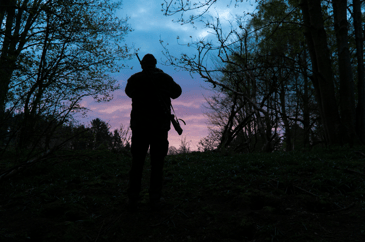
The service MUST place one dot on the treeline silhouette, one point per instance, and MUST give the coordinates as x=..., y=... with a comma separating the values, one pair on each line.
x=47, y=133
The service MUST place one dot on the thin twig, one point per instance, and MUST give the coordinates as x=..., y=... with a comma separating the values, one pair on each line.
x=163, y=221
x=360, y=153
x=183, y=213
x=341, y=209
x=306, y=191
x=353, y=171
x=100, y=231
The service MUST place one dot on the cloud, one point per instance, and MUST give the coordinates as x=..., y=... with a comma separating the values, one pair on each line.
x=113, y=109
x=185, y=103
x=196, y=118
x=146, y=16
x=203, y=33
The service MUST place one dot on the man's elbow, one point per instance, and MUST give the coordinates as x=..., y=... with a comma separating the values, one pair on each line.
x=177, y=93
x=129, y=93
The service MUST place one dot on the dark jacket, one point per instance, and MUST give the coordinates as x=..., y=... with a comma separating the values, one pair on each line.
x=151, y=91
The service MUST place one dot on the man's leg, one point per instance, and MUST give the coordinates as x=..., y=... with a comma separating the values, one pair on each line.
x=139, y=150
x=158, y=149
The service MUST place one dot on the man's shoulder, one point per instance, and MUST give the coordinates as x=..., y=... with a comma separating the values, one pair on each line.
x=137, y=75
x=162, y=74
x=149, y=73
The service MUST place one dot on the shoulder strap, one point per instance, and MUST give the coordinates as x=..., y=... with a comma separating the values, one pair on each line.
x=175, y=114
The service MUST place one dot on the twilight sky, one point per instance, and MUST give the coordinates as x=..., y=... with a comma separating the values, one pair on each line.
x=150, y=25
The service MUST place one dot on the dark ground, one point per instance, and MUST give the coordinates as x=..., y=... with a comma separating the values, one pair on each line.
x=80, y=196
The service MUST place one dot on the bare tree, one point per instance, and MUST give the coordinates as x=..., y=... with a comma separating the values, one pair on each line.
x=172, y=150
x=347, y=89
x=184, y=146
x=125, y=135
x=54, y=53
x=360, y=109
x=278, y=69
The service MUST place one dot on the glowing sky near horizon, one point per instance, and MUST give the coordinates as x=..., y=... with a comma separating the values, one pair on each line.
x=150, y=26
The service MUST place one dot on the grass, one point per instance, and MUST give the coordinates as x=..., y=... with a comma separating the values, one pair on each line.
x=80, y=196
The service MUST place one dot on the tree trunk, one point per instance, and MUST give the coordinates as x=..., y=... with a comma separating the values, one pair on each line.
x=12, y=45
x=6, y=62
x=306, y=116
x=227, y=131
x=317, y=41
x=360, y=110
x=347, y=96
x=284, y=117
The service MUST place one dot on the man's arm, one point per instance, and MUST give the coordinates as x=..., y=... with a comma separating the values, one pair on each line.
x=129, y=89
x=170, y=87
x=175, y=90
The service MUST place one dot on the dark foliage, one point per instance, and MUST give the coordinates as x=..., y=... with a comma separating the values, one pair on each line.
x=283, y=196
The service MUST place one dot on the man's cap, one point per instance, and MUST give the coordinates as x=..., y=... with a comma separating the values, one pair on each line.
x=149, y=59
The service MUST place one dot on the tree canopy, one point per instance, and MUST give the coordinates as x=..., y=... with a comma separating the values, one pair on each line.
x=53, y=54
x=289, y=71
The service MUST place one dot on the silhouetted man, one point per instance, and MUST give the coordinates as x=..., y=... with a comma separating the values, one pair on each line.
x=150, y=91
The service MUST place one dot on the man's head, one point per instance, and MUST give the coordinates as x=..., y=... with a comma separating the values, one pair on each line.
x=148, y=61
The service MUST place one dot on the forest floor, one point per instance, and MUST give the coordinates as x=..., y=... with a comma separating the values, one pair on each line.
x=293, y=196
